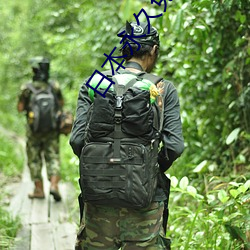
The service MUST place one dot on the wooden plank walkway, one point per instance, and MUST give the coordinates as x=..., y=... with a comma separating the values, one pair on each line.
x=46, y=224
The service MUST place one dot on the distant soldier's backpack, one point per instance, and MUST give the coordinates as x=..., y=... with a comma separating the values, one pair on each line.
x=43, y=109
x=118, y=164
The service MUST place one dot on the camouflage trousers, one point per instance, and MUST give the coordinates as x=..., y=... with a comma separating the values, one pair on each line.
x=122, y=228
x=43, y=149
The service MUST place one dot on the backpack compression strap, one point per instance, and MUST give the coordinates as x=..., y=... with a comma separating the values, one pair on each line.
x=118, y=134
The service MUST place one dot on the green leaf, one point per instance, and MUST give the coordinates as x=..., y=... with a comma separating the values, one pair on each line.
x=232, y=136
x=201, y=27
x=210, y=198
x=192, y=190
x=234, y=215
x=174, y=181
x=247, y=184
x=184, y=183
x=242, y=189
x=234, y=192
x=177, y=25
x=243, y=19
x=236, y=232
x=200, y=167
x=248, y=61
x=245, y=199
x=233, y=183
x=222, y=196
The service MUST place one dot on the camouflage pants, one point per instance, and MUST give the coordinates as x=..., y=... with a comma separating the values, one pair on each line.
x=43, y=147
x=121, y=228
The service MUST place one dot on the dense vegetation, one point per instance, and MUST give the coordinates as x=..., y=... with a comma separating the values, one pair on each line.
x=205, y=51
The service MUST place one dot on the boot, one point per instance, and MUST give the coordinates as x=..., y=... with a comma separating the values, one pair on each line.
x=54, y=179
x=38, y=191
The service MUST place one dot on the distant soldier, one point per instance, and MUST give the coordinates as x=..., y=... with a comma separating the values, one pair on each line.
x=42, y=102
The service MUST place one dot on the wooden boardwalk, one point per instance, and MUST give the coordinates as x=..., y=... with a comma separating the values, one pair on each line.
x=46, y=224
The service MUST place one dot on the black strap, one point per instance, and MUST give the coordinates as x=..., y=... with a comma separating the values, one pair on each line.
x=165, y=184
x=108, y=73
x=81, y=206
x=35, y=90
x=106, y=172
x=105, y=160
x=120, y=90
x=152, y=78
x=32, y=88
x=107, y=185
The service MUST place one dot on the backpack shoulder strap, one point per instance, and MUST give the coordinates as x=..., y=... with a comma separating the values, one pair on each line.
x=153, y=78
x=121, y=89
x=32, y=88
x=51, y=86
x=35, y=90
x=108, y=73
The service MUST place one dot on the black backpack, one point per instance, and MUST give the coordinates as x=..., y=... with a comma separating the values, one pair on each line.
x=118, y=164
x=43, y=109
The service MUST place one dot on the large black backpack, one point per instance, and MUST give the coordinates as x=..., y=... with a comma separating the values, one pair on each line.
x=43, y=109
x=118, y=164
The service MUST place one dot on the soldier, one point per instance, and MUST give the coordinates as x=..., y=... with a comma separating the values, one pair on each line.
x=110, y=226
x=42, y=131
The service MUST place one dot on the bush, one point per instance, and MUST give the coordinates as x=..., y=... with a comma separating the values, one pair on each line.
x=219, y=219
x=8, y=229
x=11, y=156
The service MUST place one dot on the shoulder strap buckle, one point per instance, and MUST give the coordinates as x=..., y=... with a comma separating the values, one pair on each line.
x=119, y=100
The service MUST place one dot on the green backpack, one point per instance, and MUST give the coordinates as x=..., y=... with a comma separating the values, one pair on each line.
x=118, y=164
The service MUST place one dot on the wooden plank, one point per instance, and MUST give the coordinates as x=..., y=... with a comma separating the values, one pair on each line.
x=25, y=209
x=26, y=173
x=45, y=222
x=58, y=211
x=70, y=196
x=71, y=202
x=39, y=211
x=60, y=214
x=42, y=237
x=61, y=211
x=20, y=205
x=16, y=202
x=64, y=235
x=22, y=240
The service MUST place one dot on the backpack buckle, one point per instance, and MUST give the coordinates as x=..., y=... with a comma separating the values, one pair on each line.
x=118, y=102
x=118, y=118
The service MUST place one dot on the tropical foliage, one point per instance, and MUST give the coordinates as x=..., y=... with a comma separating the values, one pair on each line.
x=205, y=52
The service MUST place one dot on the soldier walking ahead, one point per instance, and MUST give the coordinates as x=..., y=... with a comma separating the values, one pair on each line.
x=42, y=101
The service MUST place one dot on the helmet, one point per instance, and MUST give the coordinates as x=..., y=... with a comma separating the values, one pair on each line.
x=40, y=67
x=139, y=33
